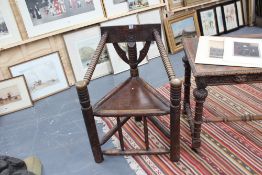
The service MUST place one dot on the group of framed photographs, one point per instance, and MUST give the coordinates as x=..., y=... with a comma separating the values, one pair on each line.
x=221, y=18
x=32, y=80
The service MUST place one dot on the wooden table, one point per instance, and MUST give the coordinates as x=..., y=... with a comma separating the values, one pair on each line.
x=209, y=75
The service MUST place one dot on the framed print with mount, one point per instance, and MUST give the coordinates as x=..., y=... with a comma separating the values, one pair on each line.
x=240, y=13
x=44, y=75
x=230, y=16
x=194, y=2
x=42, y=17
x=174, y=4
x=115, y=7
x=207, y=21
x=178, y=27
x=81, y=46
x=14, y=95
x=9, y=32
x=220, y=21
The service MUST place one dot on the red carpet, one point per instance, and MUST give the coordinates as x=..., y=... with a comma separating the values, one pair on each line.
x=227, y=148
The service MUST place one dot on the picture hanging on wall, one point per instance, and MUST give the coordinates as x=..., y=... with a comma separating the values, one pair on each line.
x=81, y=46
x=207, y=22
x=240, y=13
x=14, y=95
x=179, y=27
x=44, y=16
x=229, y=11
x=117, y=63
x=220, y=23
x=44, y=76
x=115, y=7
x=173, y=4
x=138, y=4
x=194, y=2
x=9, y=32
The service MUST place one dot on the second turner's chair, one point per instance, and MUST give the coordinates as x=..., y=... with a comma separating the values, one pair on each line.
x=134, y=97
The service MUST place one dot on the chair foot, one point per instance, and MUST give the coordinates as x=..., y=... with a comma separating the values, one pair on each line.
x=196, y=150
x=138, y=119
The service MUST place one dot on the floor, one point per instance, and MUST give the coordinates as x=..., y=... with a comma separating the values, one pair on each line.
x=54, y=131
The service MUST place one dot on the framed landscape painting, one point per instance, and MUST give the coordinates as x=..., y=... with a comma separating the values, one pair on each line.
x=14, y=95
x=207, y=22
x=44, y=76
x=230, y=14
x=115, y=7
x=44, y=16
x=180, y=27
x=9, y=32
x=81, y=46
x=137, y=4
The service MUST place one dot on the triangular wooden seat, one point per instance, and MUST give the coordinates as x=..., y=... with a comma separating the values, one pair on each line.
x=134, y=97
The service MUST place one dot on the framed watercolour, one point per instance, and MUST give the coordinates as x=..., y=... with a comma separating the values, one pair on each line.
x=14, y=95
x=9, y=32
x=230, y=16
x=137, y=4
x=194, y=2
x=115, y=7
x=117, y=63
x=207, y=22
x=173, y=4
x=44, y=16
x=240, y=14
x=81, y=46
x=44, y=76
x=220, y=23
x=179, y=27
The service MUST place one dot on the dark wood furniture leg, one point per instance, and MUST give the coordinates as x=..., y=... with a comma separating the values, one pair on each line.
x=200, y=94
x=89, y=120
x=175, y=106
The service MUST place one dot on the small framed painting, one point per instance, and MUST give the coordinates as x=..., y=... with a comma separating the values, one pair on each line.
x=14, y=95
x=81, y=46
x=44, y=16
x=179, y=27
x=137, y=4
x=174, y=4
x=44, y=76
x=115, y=7
x=230, y=16
x=220, y=23
x=240, y=14
x=207, y=21
x=9, y=32
x=194, y=2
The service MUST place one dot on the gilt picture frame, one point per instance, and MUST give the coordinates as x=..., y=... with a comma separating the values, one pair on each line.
x=174, y=4
x=14, y=95
x=44, y=76
x=194, y=2
x=81, y=46
x=9, y=32
x=179, y=27
x=44, y=16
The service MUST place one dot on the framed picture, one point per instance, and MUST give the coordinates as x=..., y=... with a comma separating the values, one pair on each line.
x=194, y=2
x=220, y=23
x=117, y=63
x=44, y=16
x=81, y=46
x=14, y=95
x=173, y=4
x=207, y=22
x=152, y=17
x=44, y=76
x=137, y=4
x=179, y=27
x=9, y=32
x=240, y=14
x=115, y=7
x=230, y=16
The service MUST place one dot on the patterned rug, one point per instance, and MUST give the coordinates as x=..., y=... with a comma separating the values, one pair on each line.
x=227, y=148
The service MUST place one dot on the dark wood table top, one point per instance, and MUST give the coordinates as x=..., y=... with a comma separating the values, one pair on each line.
x=202, y=70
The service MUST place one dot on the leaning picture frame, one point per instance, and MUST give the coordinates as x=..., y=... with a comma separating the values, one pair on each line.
x=44, y=76
x=41, y=17
x=14, y=95
x=219, y=19
x=81, y=46
x=240, y=13
x=178, y=27
x=207, y=21
x=9, y=32
x=230, y=16
x=115, y=7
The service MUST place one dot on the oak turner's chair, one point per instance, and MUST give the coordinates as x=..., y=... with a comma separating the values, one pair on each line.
x=134, y=97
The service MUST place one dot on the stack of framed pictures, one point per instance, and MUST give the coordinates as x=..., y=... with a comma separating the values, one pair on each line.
x=221, y=18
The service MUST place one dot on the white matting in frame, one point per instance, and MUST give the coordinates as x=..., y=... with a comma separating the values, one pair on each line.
x=117, y=63
x=9, y=32
x=44, y=76
x=115, y=7
x=42, y=17
x=81, y=46
x=152, y=17
x=14, y=95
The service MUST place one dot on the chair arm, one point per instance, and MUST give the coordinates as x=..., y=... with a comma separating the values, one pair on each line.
x=164, y=55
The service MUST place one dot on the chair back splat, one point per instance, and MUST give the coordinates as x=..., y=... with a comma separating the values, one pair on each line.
x=134, y=97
